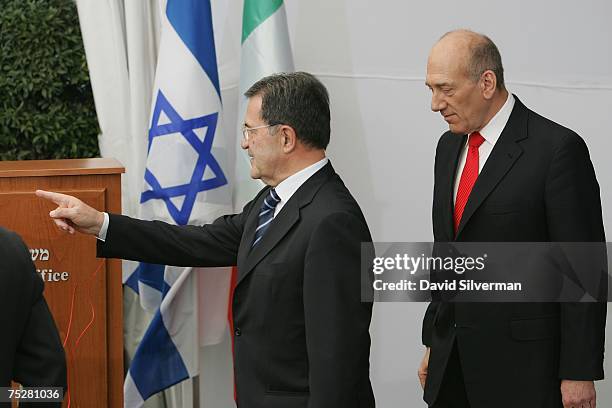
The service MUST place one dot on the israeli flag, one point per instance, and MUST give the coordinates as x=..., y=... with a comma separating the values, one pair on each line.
x=185, y=182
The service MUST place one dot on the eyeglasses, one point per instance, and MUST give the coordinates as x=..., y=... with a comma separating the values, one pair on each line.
x=246, y=130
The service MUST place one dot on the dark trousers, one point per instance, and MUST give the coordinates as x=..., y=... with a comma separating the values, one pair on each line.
x=452, y=391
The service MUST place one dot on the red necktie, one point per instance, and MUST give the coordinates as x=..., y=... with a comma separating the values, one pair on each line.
x=468, y=177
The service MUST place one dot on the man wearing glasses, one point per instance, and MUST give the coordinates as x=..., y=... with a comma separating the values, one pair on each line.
x=301, y=332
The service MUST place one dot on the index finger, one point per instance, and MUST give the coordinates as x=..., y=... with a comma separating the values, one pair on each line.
x=57, y=198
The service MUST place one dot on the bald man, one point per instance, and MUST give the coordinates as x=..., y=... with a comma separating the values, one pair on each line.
x=503, y=173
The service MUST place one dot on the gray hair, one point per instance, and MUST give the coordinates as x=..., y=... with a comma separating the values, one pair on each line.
x=483, y=56
x=299, y=100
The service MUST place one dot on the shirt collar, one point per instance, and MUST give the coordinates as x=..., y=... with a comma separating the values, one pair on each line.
x=496, y=125
x=290, y=185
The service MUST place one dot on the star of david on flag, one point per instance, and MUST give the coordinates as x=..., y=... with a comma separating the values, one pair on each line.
x=205, y=158
x=184, y=183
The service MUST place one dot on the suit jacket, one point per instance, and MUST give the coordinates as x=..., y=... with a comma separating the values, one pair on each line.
x=538, y=185
x=31, y=352
x=301, y=334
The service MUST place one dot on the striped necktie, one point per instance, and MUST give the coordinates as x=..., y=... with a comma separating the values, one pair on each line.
x=266, y=215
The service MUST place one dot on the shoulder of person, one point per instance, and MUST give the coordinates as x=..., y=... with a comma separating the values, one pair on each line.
x=552, y=133
x=14, y=253
x=334, y=202
x=10, y=241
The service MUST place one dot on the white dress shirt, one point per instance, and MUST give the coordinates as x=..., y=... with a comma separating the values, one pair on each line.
x=490, y=132
x=285, y=190
x=290, y=185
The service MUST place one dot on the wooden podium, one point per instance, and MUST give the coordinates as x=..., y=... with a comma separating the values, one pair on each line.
x=83, y=292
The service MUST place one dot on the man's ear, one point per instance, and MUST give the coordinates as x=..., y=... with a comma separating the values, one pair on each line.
x=288, y=138
x=488, y=83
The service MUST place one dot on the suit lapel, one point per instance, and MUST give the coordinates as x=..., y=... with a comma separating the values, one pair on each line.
x=451, y=158
x=248, y=235
x=503, y=156
x=283, y=222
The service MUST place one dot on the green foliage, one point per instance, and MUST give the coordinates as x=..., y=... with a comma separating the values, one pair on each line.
x=46, y=103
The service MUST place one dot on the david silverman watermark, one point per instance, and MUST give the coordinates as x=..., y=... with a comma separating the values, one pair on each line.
x=422, y=264
x=486, y=271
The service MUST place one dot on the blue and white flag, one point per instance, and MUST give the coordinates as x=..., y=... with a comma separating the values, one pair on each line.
x=185, y=182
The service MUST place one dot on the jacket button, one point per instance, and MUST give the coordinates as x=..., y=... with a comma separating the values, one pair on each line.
x=237, y=332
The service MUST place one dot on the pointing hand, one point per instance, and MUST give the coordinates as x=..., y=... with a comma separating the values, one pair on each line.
x=72, y=214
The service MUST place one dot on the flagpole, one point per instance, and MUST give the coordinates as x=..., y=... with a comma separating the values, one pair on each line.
x=195, y=383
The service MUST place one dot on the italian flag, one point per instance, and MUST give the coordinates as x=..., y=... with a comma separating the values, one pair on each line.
x=265, y=50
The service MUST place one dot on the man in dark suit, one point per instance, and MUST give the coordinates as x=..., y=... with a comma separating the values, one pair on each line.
x=31, y=352
x=505, y=173
x=301, y=332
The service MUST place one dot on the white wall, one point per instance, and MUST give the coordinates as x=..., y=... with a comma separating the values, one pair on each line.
x=372, y=56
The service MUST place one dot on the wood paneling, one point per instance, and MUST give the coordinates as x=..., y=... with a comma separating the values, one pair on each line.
x=83, y=292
